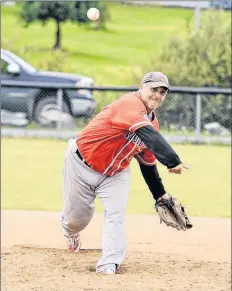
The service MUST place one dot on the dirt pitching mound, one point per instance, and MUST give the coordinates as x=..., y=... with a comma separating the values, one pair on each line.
x=158, y=258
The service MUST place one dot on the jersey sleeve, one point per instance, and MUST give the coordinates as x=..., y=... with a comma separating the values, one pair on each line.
x=130, y=114
x=154, y=141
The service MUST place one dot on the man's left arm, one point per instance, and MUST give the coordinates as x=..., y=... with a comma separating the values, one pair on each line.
x=170, y=211
x=153, y=180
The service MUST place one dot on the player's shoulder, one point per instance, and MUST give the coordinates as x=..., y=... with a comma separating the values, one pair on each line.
x=130, y=99
x=130, y=95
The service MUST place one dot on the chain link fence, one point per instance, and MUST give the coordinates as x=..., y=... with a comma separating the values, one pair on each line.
x=61, y=111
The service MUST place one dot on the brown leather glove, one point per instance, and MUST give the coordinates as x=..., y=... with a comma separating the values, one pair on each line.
x=172, y=213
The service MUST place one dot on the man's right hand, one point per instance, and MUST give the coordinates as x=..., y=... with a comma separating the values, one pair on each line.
x=178, y=169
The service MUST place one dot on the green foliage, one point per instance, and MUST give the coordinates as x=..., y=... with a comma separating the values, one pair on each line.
x=43, y=11
x=105, y=15
x=80, y=12
x=29, y=12
x=61, y=12
x=203, y=58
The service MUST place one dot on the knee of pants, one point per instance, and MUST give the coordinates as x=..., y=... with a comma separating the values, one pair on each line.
x=77, y=220
x=75, y=225
x=116, y=215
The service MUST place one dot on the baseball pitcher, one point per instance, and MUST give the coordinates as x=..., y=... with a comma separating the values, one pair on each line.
x=97, y=164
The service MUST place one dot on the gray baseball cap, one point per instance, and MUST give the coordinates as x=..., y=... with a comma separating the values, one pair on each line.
x=159, y=78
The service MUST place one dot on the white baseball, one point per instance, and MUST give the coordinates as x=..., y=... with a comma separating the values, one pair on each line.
x=93, y=14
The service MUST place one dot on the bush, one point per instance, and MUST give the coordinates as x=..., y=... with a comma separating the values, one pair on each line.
x=202, y=59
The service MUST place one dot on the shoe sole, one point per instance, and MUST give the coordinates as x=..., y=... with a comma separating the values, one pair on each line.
x=104, y=273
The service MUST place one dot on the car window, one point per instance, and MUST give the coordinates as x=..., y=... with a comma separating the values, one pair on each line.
x=3, y=65
x=22, y=63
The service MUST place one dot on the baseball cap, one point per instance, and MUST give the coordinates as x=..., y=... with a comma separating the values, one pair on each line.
x=159, y=78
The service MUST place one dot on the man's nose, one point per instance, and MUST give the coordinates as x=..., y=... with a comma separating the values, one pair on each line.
x=158, y=96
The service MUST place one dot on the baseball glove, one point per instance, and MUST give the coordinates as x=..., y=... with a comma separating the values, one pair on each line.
x=172, y=213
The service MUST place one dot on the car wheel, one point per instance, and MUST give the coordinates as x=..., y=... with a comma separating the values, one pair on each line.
x=46, y=107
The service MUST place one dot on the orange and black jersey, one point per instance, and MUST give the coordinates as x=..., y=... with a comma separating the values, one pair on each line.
x=119, y=132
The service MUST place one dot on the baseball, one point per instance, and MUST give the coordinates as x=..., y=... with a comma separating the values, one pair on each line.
x=93, y=14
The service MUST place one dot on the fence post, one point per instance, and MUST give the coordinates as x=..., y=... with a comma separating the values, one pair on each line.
x=59, y=105
x=197, y=16
x=198, y=117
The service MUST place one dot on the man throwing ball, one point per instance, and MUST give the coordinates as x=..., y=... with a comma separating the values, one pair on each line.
x=97, y=164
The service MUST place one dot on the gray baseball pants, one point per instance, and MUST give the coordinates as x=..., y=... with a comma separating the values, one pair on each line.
x=81, y=185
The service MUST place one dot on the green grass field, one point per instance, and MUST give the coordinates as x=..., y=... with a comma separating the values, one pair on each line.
x=32, y=169
x=133, y=36
x=32, y=178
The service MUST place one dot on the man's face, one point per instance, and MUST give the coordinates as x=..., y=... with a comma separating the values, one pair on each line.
x=152, y=96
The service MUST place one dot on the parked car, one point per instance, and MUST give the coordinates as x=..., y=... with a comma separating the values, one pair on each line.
x=34, y=101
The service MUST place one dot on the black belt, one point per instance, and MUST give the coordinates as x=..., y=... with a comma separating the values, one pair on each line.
x=81, y=158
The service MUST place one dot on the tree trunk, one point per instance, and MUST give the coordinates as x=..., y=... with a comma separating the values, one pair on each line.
x=57, y=44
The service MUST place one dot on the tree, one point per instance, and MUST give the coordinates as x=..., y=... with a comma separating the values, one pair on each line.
x=60, y=12
x=202, y=59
